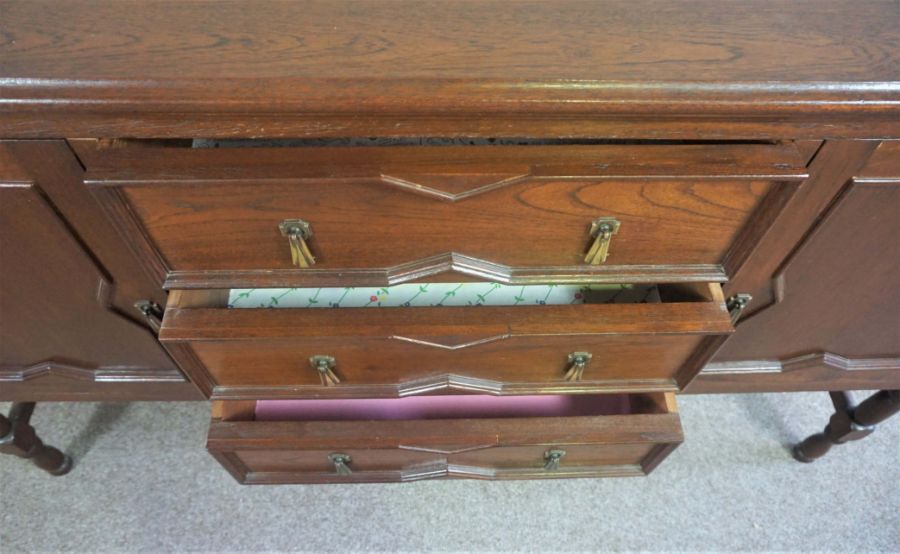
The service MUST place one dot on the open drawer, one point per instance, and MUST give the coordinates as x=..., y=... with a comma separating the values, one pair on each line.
x=658, y=339
x=255, y=214
x=461, y=436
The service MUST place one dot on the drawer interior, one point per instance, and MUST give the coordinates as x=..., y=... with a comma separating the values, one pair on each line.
x=442, y=407
x=447, y=294
x=459, y=436
x=442, y=295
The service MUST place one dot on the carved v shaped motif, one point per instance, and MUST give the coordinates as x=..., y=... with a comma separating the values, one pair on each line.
x=453, y=187
x=449, y=449
x=452, y=346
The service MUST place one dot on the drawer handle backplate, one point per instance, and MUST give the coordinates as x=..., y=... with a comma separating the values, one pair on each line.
x=298, y=232
x=736, y=305
x=341, y=462
x=325, y=366
x=152, y=312
x=577, y=362
x=602, y=231
x=552, y=459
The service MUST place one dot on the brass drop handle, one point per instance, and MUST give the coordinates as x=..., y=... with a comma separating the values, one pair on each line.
x=298, y=232
x=341, y=462
x=602, y=230
x=325, y=366
x=552, y=458
x=577, y=362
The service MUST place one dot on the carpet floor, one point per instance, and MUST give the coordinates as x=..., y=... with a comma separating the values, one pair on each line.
x=143, y=483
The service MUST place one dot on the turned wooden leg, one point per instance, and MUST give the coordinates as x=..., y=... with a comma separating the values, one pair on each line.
x=849, y=423
x=18, y=437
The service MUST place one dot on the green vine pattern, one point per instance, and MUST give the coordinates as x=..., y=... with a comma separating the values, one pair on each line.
x=439, y=294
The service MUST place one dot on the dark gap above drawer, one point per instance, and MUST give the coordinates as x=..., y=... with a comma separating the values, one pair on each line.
x=355, y=141
x=129, y=161
x=440, y=141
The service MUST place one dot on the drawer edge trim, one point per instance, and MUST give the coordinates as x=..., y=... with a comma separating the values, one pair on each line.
x=441, y=383
x=448, y=263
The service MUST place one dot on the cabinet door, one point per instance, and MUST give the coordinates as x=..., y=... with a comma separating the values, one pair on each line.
x=68, y=328
x=828, y=316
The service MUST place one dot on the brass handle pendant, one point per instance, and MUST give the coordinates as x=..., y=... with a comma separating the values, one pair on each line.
x=552, y=458
x=298, y=232
x=325, y=366
x=577, y=362
x=340, y=462
x=602, y=229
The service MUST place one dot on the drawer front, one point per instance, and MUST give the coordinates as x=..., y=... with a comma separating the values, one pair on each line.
x=271, y=452
x=381, y=466
x=360, y=352
x=390, y=365
x=202, y=217
x=321, y=462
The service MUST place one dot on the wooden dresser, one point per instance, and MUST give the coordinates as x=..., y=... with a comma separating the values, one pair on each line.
x=397, y=240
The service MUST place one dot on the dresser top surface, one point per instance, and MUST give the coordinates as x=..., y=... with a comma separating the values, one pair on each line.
x=635, y=41
x=491, y=56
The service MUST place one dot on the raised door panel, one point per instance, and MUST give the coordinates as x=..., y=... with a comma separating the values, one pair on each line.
x=834, y=321
x=61, y=334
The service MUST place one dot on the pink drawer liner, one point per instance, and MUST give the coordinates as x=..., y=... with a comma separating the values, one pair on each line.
x=442, y=407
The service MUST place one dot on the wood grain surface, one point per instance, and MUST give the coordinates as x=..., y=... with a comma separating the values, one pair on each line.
x=214, y=213
x=250, y=353
x=527, y=40
x=297, y=452
x=884, y=165
x=830, y=318
x=336, y=68
x=68, y=328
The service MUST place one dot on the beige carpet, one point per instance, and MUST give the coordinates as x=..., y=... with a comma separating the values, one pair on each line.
x=143, y=483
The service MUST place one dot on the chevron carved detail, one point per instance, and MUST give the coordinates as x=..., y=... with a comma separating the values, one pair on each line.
x=439, y=470
x=453, y=262
x=49, y=369
x=446, y=382
x=449, y=262
x=458, y=471
x=452, y=346
x=448, y=449
x=839, y=362
x=449, y=381
x=453, y=188
x=806, y=361
x=46, y=369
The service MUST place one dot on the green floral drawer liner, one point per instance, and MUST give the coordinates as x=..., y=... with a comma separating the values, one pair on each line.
x=441, y=294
